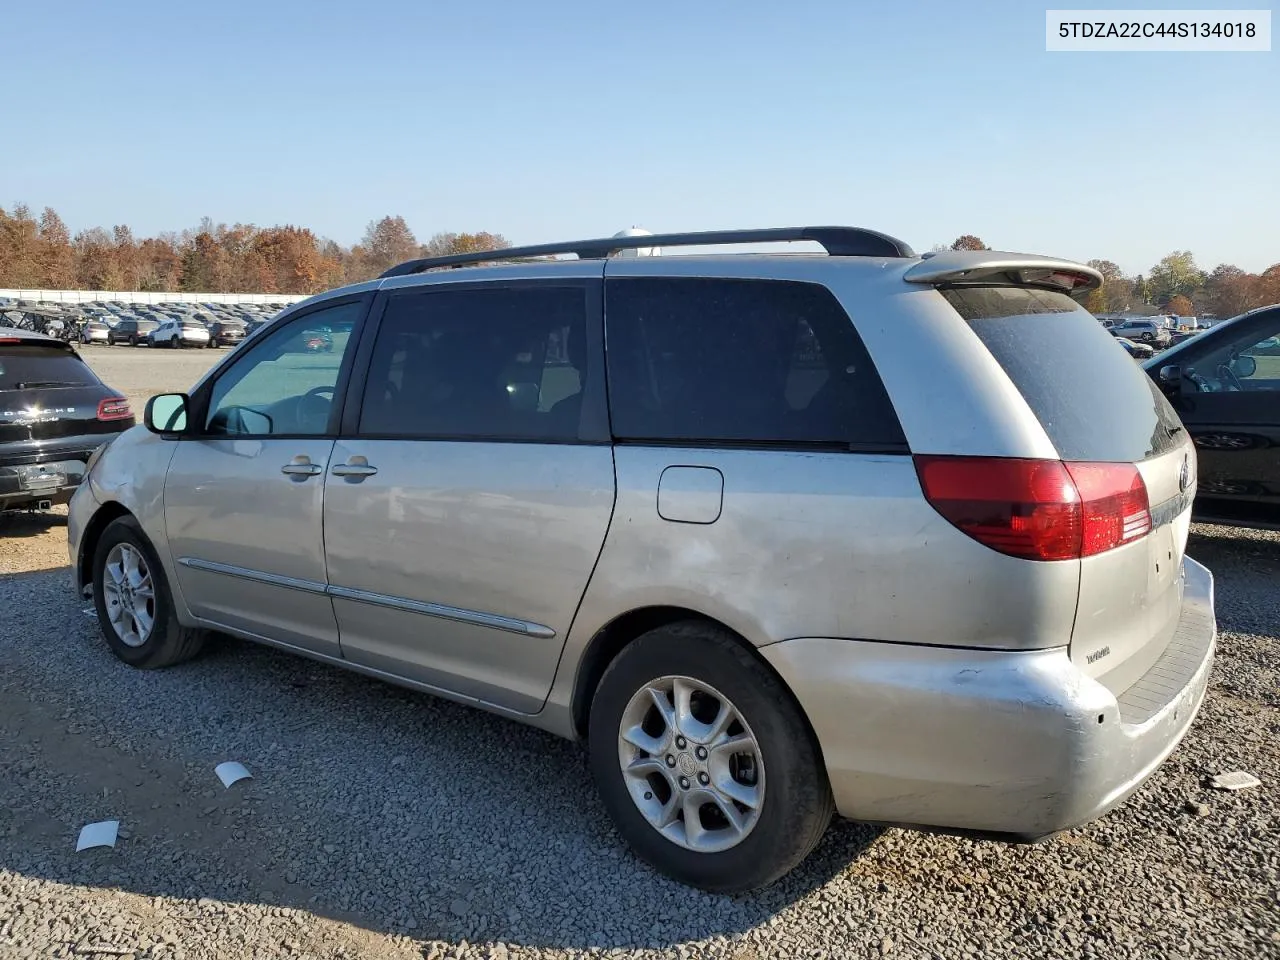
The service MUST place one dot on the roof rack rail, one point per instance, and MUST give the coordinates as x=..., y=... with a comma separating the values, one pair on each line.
x=837, y=241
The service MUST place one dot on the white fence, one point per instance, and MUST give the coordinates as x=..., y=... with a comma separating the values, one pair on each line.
x=84, y=296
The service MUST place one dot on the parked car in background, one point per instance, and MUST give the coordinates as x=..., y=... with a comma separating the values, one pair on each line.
x=1139, y=351
x=95, y=331
x=54, y=413
x=318, y=341
x=131, y=330
x=1225, y=385
x=1178, y=336
x=1152, y=332
x=180, y=333
x=226, y=333
x=704, y=551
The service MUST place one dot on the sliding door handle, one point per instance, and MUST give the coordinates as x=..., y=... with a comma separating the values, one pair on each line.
x=356, y=468
x=301, y=466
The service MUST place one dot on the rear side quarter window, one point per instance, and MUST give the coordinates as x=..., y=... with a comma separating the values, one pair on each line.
x=703, y=361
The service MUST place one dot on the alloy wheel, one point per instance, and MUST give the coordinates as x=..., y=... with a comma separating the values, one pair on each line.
x=691, y=764
x=129, y=593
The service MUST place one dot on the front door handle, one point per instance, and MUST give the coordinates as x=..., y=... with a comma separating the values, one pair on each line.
x=356, y=468
x=301, y=466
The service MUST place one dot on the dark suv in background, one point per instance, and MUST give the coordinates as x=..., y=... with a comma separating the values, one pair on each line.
x=54, y=413
x=131, y=331
x=226, y=333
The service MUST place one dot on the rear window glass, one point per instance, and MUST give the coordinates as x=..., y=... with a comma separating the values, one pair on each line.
x=696, y=360
x=23, y=368
x=1093, y=401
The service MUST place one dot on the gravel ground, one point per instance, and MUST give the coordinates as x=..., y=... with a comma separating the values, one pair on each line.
x=382, y=823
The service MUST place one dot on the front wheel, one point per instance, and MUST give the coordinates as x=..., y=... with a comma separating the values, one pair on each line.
x=705, y=762
x=135, y=607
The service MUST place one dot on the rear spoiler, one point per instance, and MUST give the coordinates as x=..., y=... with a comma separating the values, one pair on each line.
x=990, y=266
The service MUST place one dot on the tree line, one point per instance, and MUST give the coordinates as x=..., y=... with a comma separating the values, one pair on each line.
x=1175, y=285
x=40, y=253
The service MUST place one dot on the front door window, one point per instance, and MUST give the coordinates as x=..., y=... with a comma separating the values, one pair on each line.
x=285, y=384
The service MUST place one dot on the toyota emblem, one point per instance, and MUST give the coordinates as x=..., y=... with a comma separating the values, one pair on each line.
x=1184, y=475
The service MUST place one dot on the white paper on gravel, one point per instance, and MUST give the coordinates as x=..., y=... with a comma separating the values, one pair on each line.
x=232, y=772
x=101, y=834
x=1236, y=780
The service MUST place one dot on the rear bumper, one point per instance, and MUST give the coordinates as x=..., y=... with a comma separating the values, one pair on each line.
x=1017, y=744
x=15, y=491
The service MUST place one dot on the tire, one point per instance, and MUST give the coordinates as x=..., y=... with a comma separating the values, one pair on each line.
x=167, y=642
x=795, y=803
x=133, y=340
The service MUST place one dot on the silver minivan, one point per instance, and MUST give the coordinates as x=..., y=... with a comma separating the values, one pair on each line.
x=777, y=536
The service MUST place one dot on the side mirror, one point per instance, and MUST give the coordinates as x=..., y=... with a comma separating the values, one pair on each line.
x=241, y=422
x=166, y=413
x=1171, y=378
x=1244, y=366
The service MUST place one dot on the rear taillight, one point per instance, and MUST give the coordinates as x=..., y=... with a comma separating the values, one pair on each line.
x=1114, y=499
x=114, y=408
x=1038, y=509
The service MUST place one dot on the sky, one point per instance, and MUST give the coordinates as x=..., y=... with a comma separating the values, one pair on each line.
x=561, y=120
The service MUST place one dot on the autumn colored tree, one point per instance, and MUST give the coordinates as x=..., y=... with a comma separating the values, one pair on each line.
x=387, y=242
x=1266, y=289
x=96, y=267
x=20, y=236
x=1229, y=291
x=969, y=242
x=1116, y=293
x=159, y=263
x=1180, y=306
x=125, y=254
x=204, y=263
x=57, y=259
x=447, y=244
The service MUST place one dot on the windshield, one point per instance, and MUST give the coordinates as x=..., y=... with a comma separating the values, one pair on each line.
x=23, y=367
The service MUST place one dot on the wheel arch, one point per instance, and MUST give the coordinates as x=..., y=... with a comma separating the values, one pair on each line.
x=110, y=511
x=611, y=639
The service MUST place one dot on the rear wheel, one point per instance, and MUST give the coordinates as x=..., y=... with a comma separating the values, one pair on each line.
x=134, y=604
x=705, y=762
